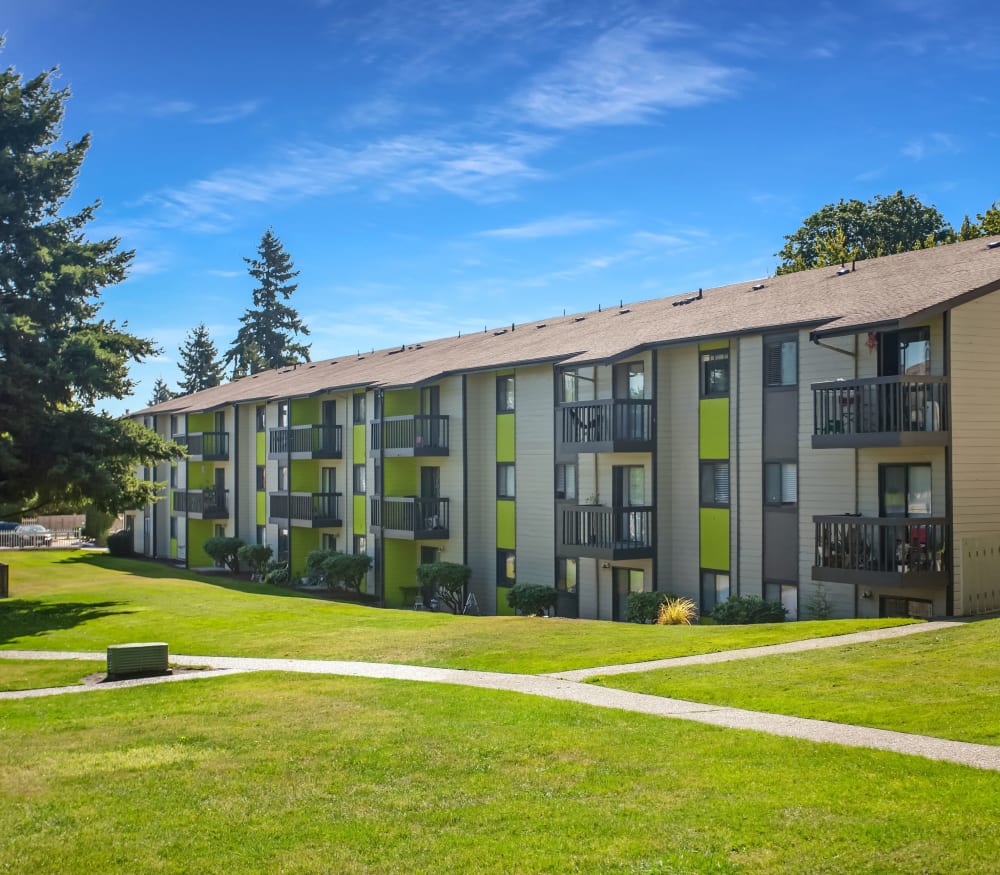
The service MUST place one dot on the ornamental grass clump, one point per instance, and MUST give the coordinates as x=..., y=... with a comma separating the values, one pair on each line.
x=677, y=612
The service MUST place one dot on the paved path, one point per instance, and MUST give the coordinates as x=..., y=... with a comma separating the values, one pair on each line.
x=980, y=756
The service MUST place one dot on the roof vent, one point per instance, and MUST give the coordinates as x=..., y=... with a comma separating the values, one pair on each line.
x=540, y=325
x=624, y=310
x=579, y=318
x=757, y=287
x=843, y=271
x=994, y=245
x=501, y=331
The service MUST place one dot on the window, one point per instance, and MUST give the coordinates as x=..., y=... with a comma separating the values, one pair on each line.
x=505, y=394
x=329, y=541
x=282, y=478
x=261, y=417
x=780, y=363
x=566, y=482
x=360, y=410
x=569, y=387
x=173, y=527
x=261, y=478
x=377, y=469
x=360, y=479
x=261, y=534
x=784, y=594
x=283, y=542
x=904, y=490
x=505, y=480
x=781, y=483
x=715, y=484
x=714, y=589
x=566, y=575
x=282, y=414
x=430, y=555
x=360, y=544
x=630, y=381
x=625, y=581
x=506, y=575
x=173, y=476
x=715, y=373
x=174, y=424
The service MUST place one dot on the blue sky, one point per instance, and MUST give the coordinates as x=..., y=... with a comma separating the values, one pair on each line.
x=435, y=167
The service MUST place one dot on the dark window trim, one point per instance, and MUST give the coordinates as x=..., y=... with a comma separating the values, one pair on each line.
x=359, y=408
x=790, y=505
x=502, y=554
x=704, y=356
x=501, y=396
x=501, y=481
x=713, y=463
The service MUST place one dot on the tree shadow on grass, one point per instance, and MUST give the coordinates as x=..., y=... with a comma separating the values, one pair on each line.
x=157, y=570
x=22, y=618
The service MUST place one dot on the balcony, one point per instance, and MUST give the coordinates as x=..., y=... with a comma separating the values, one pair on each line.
x=312, y=510
x=202, y=504
x=206, y=446
x=421, y=435
x=607, y=426
x=306, y=442
x=901, y=411
x=410, y=518
x=608, y=532
x=882, y=551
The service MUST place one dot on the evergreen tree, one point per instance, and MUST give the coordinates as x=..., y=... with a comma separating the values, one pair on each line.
x=57, y=357
x=989, y=222
x=267, y=336
x=858, y=230
x=969, y=230
x=161, y=392
x=199, y=362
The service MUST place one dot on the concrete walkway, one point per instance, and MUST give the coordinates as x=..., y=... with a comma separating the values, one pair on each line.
x=980, y=756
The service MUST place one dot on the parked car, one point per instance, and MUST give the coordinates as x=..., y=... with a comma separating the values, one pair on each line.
x=7, y=527
x=33, y=535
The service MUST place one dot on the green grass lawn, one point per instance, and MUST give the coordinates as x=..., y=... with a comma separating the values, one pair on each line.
x=33, y=674
x=86, y=601
x=945, y=683
x=303, y=774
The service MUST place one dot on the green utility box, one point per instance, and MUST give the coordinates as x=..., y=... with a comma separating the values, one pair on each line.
x=137, y=660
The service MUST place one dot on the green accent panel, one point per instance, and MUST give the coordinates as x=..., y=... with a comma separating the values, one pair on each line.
x=503, y=609
x=200, y=422
x=504, y=372
x=401, y=560
x=201, y=475
x=305, y=411
x=358, y=443
x=304, y=541
x=505, y=525
x=402, y=402
x=199, y=531
x=713, y=428
x=261, y=448
x=401, y=477
x=261, y=509
x=505, y=437
x=359, y=515
x=715, y=538
x=305, y=475
x=713, y=344
x=173, y=548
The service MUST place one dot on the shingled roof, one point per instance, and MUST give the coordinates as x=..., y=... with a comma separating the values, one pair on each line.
x=879, y=293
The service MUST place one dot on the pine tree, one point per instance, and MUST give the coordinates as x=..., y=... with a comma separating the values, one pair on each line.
x=267, y=336
x=969, y=230
x=161, y=392
x=989, y=222
x=57, y=357
x=199, y=362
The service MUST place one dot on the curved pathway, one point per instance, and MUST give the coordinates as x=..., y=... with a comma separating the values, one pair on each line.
x=567, y=686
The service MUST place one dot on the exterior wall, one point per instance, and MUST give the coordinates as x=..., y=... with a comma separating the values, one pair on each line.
x=747, y=483
x=975, y=466
x=481, y=453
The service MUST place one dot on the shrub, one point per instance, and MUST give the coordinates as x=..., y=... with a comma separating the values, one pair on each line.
x=256, y=557
x=644, y=607
x=314, y=565
x=530, y=598
x=277, y=574
x=819, y=607
x=743, y=610
x=224, y=550
x=120, y=543
x=345, y=570
x=447, y=580
x=677, y=612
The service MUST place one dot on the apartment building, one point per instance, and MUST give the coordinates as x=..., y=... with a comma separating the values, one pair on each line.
x=832, y=432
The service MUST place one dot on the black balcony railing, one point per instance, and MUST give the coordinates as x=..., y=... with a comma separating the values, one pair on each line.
x=410, y=516
x=621, y=424
x=608, y=532
x=208, y=504
x=881, y=411
x=311, y=441
x=207, y=445
x=874, y=550
x=318, y=509
x=421, y=435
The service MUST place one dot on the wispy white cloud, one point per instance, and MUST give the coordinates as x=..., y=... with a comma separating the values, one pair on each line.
x=650, y=238
x=558, y=226
x=870, y=175
x=623, y=77
x=226, y=114
x=226, y=274
x=170, y=107
x=174, y=108
x=935, y=143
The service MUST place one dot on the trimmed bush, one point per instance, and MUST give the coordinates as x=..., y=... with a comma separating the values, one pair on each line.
x=532, y=599
x=747, y=609
x=345, y=570
x=446, y=580
x=644, y=607
x=677, y=612
x=120, y=543
x=314, y=565
x=277, y=574
x=225, y=550
x=256, y=557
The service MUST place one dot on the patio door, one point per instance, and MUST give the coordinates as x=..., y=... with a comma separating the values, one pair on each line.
x=628, y=490
x=904, y=493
